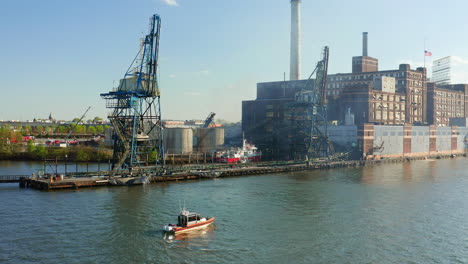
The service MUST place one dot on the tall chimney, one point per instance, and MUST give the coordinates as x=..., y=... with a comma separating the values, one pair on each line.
x=364, y=43
x=295, y=67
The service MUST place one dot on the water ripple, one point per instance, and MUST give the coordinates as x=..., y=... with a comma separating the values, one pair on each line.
x=394, y=213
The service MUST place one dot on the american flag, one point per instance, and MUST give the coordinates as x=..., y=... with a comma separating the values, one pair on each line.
x=427, y=53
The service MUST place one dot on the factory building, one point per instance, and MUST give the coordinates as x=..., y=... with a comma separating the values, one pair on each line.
x=267, y=120
x=364, y=97
x=369, y=105
x=446, y=102
x=407, y=82
x=376, y=141
x=392, y=97
x=365, y=63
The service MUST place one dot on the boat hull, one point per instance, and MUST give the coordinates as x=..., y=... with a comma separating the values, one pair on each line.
x=228, y=160
x=196, y=226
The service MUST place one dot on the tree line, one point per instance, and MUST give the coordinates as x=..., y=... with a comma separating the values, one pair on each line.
x=12, y=146
x=45, y=131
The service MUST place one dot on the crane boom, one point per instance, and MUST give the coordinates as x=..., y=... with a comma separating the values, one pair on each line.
x=76, y=124
x=209, y=120
x=136, y=109
x=310, y=114
x=321, y=77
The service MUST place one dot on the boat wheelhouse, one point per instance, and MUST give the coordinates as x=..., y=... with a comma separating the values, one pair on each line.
x=188, y=221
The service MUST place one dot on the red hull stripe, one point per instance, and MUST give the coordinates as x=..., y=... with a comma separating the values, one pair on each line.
x=195, y=225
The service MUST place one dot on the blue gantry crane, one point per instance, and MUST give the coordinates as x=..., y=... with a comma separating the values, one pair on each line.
x=136, y=109
x=310, y=113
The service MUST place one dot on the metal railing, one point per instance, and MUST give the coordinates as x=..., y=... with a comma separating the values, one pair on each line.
x=11, y=178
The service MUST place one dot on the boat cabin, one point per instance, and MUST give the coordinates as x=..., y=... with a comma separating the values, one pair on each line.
x=188, y=219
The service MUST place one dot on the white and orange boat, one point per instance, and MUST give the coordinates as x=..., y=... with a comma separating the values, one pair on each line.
x=188, y=221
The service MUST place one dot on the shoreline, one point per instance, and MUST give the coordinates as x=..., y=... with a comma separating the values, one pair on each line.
x=56, y=183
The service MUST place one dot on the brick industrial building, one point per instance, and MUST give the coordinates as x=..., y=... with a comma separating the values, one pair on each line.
x=445, y=102
x=365, y=96
x=403, y=101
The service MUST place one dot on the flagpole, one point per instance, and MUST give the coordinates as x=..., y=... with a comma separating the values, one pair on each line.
x=424, y=52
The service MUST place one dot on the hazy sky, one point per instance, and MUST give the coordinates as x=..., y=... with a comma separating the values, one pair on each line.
x=58, y=56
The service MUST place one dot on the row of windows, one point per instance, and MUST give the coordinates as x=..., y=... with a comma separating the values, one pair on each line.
x=448, y=95
x=365, y=76
x=387, y=116
x=386, y=133
x=388, y=97
x=449, y=107
x=385, y=106
x=447, y=114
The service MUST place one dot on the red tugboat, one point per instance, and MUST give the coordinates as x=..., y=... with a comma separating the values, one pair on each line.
x=188, y=221
x=248, y=153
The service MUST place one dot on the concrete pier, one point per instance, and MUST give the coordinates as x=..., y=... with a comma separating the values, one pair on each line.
x=220, y=171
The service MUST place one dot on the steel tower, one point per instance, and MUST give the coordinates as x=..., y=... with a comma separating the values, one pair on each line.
x=136, y=109
x=309, y=137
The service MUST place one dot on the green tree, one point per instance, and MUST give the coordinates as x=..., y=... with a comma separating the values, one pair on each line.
x=61, y=129
x=41, y=151
x=48, y=130
x=27, y=130
x=80, y=129
x=100, y=129
x=18, y=135
x=40, y=130
x=31, y=146
x=153, y=156
x=82, y=155
x=97, y=119
x=92, y=130
x=4, y=135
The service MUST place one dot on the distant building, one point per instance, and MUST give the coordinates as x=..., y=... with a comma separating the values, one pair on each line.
x=51, y=119
x=441, y=71
x=371, y=105
x=446, y=102
x=401, y=96
x=410, y=83
x=364, y=63
x=267, y=120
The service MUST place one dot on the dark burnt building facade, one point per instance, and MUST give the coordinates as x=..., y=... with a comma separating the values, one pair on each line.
x=365, y=96
x=267, y=120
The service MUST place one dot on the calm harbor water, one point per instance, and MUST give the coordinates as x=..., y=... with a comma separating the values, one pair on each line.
x=394, y=213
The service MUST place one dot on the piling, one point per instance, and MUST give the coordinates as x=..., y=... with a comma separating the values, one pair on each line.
x=195, y=172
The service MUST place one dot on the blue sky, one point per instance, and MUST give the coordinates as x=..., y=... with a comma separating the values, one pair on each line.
x=58, y=56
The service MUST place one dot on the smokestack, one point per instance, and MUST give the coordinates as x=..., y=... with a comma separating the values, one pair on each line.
x=295, y=67
x=364, y=43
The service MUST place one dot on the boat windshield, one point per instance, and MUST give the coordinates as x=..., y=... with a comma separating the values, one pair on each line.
x=186, y=219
